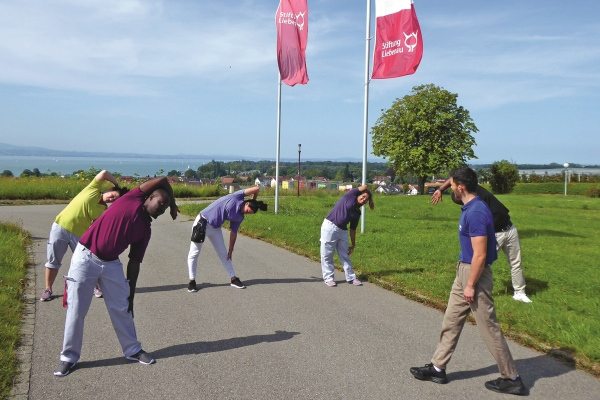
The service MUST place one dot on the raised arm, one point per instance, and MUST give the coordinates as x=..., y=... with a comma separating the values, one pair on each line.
x=437, y=195
x=253, y=191
x=104, y=175
x=161, y=183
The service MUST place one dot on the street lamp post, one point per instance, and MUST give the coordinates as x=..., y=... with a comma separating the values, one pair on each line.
x=566, y=165
x=299, y=146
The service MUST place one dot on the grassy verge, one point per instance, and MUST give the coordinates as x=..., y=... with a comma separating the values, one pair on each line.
x=13, y=264
x=411, y=247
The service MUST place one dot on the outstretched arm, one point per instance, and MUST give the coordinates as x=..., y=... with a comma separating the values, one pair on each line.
x=104, y=175
x=437, y=195
x=253, y=191
x=161, y=183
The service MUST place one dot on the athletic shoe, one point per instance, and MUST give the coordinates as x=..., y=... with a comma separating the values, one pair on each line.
x=142, y=357
x=428, y=373
x=521, y=297
x=331, y=283
x=192, y=286
x=355, y=282
x=97, y=292
x=507, y=386
x=46, y=296
x=236, y=283
x=63, y=368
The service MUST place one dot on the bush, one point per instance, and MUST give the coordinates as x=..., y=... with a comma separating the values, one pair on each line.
x=593, y=192
x=504, y=177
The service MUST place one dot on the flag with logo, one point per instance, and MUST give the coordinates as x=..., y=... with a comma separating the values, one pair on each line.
x=292, y=35
x=398, y=41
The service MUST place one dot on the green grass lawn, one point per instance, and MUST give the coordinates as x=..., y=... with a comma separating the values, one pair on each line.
x=411, y=247
x=13, y=264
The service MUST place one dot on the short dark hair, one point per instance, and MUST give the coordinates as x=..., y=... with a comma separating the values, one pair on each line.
x=466, y=176
x=256, y=205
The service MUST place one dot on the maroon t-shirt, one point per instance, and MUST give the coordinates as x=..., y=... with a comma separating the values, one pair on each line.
x=125, y=223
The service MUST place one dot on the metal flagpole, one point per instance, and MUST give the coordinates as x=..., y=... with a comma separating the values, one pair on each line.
x=278, y=135
x=366, y=111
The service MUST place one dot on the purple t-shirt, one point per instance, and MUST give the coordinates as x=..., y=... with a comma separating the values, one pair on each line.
x=227, y=208
x=346, y=210
x=476, y=220
x=126, y=222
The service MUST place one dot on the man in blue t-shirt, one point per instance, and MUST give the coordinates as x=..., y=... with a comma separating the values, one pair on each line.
x=472, y=291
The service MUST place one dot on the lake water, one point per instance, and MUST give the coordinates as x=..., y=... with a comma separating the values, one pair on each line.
x=557, y=171
x=124, y=166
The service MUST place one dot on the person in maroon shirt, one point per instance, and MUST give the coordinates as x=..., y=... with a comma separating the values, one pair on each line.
x=126, y=223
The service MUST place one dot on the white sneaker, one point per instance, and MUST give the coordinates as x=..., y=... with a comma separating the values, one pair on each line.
x=521, y=297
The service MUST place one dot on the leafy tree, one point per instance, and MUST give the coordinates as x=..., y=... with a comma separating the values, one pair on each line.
x=173, y=172
x=26, y=173
x=7, y=173
x=37, y=172
x=504, y=177
x=190, y=173
x=424, y=132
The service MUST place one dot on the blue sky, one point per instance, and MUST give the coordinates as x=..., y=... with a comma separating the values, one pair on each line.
x=200, y=77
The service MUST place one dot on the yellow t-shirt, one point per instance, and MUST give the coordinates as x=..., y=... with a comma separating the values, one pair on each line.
x=82, y=210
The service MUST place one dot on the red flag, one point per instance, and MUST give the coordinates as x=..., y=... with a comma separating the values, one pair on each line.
x=292, y=35
x=398, y=41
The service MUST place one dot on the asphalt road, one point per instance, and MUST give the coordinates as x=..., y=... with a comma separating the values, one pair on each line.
x=287, y=336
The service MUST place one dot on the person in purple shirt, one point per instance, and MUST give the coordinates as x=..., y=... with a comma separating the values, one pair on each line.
x=472, y=291
x=127, y=223
x=334, y=233
x=232, y=208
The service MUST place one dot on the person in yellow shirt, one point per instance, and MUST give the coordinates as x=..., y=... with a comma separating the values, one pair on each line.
x=74, y=220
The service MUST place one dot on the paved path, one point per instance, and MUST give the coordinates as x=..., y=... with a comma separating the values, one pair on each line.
x=287, y=336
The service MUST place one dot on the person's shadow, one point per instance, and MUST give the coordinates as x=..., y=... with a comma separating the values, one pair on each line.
x=197, y=348
x=531, y=370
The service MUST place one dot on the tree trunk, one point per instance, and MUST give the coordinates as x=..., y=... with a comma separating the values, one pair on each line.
x=422, y=180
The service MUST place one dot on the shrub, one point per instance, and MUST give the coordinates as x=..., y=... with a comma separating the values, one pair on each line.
x=504, y=177
x=593, y=192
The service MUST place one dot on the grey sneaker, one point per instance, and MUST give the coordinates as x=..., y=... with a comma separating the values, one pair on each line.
x=63, y=368
x=192, y=286
x=236, y=283
x=142, y=357
x=46, y=296
x=428, y=373
x=507, y=386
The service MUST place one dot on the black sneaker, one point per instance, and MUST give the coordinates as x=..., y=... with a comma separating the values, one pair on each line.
x=428, y=373
x=507, y=386
x=192, y=286
x=236, y=283
x=63, y=368
x=142, y=357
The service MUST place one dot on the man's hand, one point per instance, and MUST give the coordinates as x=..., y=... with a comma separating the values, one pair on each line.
x=350, y=249
x=469, y=294
x=130, y=307
x=174, y=211
x=436, y=197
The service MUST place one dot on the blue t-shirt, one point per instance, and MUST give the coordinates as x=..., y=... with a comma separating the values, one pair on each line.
x=476, y=220
x=227, y=208
x=346, y=210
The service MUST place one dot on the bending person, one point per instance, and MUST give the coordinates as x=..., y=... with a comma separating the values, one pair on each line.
x=334, y=233
x=73, y=221
x=232, y=208
x=126, y=223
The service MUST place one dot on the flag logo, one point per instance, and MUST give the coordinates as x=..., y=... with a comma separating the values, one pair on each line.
x=398, y=41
